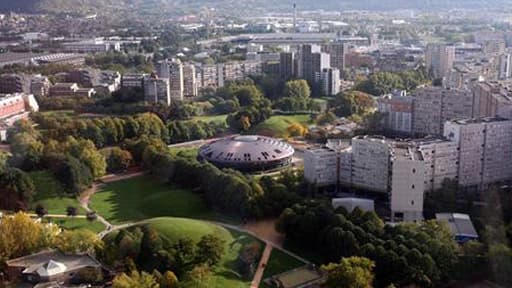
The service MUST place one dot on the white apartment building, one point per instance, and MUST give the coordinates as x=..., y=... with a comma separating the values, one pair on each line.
x=407, y=183
x=330, y=81
x=370, y=163
x=189, y=81
x=157, y=90
x=485, y=150
x=321, y=166
x=441, y=161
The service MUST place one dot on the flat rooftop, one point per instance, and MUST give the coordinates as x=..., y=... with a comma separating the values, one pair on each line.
x=465, y=121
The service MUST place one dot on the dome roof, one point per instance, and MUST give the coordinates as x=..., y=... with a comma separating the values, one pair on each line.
x=251, y=149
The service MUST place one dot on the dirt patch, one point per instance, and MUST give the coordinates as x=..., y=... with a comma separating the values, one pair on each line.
x=265, y=229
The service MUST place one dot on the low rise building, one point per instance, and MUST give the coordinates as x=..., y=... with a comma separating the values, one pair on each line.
x=460, y=225
x=51, y=266
x=63, y=90
x=91, y=46
x=40, y=86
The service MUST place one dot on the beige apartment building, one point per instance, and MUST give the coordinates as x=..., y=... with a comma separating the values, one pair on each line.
x=484, y=150
x=433, y=106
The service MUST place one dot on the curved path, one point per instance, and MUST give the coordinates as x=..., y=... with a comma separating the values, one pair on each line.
x=271, y=240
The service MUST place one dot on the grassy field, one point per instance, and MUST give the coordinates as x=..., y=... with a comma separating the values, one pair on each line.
x=276, y=126
x=143, y=198
x=77, y=223
x=224, y=275
x=280, y=262
x=51, y=194
x=211, y=118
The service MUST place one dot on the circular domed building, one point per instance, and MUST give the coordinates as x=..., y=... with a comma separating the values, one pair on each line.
x=247, y=153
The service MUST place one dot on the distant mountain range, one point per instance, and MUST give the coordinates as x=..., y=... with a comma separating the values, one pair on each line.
x=84, y=6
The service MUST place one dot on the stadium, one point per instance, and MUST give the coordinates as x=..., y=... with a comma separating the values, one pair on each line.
x=247, y=153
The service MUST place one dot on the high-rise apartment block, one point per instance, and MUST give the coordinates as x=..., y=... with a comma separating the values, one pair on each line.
x=370, y=163
x=330, y=81
x=397, y=109
x=287, y=65
x=14, y=83
x=439, y=58
x=505, y=63
x=433, y=106
x=407, y=179
x=189, y=81
x=484, y=150
x=491, y=99
x=312, y=62
x=173, y=70
x=337, y=52
x=157, y=90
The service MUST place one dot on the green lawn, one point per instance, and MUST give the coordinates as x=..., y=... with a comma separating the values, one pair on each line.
x=51, y=194
x=211, y=118
x=143, y=198
x=280, y=262
x=225, y=274
x=276, y=126
x=77, y=223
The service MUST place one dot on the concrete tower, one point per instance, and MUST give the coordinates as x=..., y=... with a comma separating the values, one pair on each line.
x=294, y=17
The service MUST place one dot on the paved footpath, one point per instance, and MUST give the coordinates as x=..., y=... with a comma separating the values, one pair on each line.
x=261, y=266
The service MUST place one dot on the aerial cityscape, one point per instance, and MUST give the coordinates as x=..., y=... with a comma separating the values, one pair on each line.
x=256, y=143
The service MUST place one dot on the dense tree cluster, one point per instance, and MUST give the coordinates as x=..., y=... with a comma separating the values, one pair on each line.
x=183, y=131
x=492, y=218
x=144, y=249
x=103, y=131
x=423, y=254
x=16, y=189
x=121, y=62
x=353, y=103
x=380, y=83
x=20, y=235
x=296, y=96
x=351, y=272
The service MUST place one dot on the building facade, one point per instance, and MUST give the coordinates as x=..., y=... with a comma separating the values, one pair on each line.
x=397, y=109
x=330, y=81
x=407, y=183
x=157, y=90
x=433, y=106
x=484, y=150
x=439, y=58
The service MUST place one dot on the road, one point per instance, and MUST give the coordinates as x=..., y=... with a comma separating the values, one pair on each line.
x=258, y=275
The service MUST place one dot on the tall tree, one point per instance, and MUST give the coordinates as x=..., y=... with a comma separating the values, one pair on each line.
x=352, y=272
x=210, y=250
x=135, y=279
